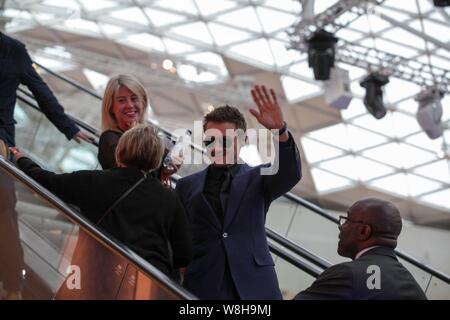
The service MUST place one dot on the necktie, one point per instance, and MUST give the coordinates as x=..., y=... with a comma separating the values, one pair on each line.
x=225, y=191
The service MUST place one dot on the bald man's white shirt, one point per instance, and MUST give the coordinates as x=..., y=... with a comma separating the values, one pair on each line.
x=359, y=254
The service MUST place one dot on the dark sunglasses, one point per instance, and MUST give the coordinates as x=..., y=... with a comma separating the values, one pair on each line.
x=225, y=141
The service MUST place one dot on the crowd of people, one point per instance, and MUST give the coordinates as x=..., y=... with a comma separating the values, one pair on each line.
x=208, y=234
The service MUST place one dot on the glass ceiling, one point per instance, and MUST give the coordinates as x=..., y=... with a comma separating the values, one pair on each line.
x=391, y=155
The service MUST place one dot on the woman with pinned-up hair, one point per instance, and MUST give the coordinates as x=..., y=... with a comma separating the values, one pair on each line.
x=126, y=201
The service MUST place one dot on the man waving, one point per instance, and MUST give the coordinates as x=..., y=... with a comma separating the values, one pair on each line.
x=227, y=204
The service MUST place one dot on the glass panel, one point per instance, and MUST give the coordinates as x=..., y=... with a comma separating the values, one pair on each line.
x=36, y=136
x=273, y=20
x=44, y=255
x=160, y=18
x=76, y=102
x=258, y=50
x=438, y=290
x=315, y=234
x=132, y=14
x=225, y=35
x=438, y=198
x=207, y=7
x=280, y=216
x=243, y=18
x=434, y=288
x=291, y=279
x=422, y=277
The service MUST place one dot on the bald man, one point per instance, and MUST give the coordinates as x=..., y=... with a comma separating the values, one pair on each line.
x=368, y=236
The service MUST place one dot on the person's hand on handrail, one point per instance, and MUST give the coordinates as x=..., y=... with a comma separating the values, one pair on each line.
x=16, y=152
x=83, y=136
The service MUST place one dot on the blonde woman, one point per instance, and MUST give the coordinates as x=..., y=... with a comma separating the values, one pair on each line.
x=124, y=105
x=146, y=219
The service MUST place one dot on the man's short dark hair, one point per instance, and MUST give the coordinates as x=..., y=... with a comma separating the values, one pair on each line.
x=226, y=114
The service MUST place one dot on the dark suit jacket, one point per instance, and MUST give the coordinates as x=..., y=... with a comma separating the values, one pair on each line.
x=16, y=68
x=241, y=240
x=107, y=145
x=349, y=280
x=146, y=220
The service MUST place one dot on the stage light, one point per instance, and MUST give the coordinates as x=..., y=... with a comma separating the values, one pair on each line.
x=337, y=90
x=430, y=111
x=321, y=53
x=441, y=3
x=373, y=99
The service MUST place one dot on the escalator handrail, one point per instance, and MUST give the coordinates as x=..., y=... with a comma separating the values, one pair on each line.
x=28, y=98
x=96, y=233
x=285, y=255
x=309, y=205
x=295, y=248
x=69, y=81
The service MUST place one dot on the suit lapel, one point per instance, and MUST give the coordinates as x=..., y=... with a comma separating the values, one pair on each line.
x=199, y=199
x=237, y=190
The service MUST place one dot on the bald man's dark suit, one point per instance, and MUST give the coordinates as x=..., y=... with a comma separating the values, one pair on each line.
x=349, y=280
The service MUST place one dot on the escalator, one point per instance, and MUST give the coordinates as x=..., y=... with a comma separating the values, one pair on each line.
x=55, y=233
x=48, y=233
x=296, y=264
x=49, y=229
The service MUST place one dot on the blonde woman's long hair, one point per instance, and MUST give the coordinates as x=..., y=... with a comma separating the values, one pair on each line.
x=122, y=80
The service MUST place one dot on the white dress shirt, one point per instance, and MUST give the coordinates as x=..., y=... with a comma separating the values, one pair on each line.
x=359, y=254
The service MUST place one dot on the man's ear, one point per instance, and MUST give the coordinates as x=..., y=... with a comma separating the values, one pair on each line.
x=365, y=232
x=242, y=139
